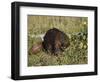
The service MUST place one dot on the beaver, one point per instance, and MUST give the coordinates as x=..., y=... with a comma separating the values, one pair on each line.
x=55, y=41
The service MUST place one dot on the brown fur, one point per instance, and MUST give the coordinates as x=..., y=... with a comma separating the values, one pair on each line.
x=55, y=41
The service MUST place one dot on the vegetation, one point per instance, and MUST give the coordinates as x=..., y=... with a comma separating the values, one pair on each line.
x=75, y=27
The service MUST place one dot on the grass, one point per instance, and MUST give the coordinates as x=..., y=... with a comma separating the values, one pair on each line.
x=75, y=27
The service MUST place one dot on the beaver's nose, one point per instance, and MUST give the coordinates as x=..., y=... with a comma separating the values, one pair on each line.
x=57, y=51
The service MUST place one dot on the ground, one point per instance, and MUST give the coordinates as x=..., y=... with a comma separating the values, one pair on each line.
x=75, y=27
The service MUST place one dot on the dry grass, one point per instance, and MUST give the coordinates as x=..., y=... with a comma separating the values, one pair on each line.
x=76, y=53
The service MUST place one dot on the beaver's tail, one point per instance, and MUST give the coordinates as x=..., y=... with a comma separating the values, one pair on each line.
x=35, y=48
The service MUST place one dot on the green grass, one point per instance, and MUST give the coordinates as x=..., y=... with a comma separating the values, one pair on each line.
x=76, y=53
